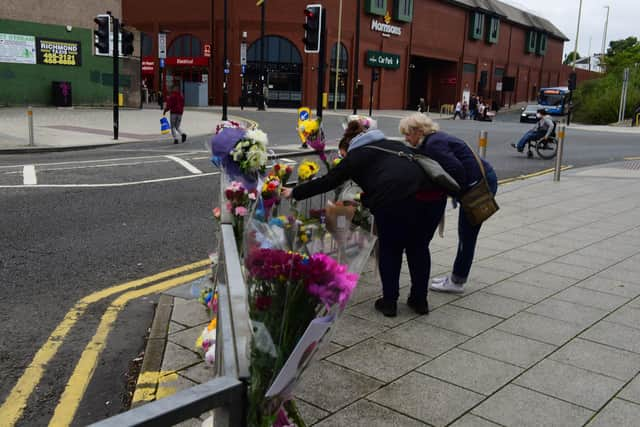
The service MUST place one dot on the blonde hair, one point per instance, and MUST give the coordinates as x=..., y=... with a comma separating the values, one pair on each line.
x=418, y=121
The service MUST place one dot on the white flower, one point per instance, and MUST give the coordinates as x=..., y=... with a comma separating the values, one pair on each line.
x=258, y=136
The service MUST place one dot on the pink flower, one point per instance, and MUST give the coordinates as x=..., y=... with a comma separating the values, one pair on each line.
x=241, y=211
x=252, y=195
x=216, y=212
x=229, y=207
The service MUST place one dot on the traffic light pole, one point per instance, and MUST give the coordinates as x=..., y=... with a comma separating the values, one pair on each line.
x=225, y=90
x=321, y=62
x=116, y=77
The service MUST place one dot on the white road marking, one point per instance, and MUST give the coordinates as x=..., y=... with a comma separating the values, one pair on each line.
x=117, y=184
x=29, y=174
x=115, y=159
x=188, y=166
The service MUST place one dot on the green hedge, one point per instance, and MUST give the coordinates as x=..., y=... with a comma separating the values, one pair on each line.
x=597, y=101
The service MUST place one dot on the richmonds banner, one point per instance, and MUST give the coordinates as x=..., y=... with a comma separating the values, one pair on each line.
x=58, y=52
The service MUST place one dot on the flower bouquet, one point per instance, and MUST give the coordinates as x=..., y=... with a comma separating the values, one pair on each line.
x=307, y=170
x=282, y=171
x=270, y=194
x=240, y=152
x=300, y=277
x=239, y=201
x=311, y=131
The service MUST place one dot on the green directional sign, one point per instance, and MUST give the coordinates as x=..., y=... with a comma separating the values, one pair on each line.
x=382, y=59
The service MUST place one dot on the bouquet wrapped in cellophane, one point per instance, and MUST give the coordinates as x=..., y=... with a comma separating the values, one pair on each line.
x=301, y=269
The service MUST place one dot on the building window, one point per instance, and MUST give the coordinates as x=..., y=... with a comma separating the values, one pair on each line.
x=340, y=75
x=499, y=72
x=476, y=26
x=469, y=68
x=541, y=47
x=186, y=46
x=376, y=7
x=403, y=10
x=494, y=30
x=147, y=44
x=532, y=38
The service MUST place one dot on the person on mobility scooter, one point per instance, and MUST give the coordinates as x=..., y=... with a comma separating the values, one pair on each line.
x=541, y=136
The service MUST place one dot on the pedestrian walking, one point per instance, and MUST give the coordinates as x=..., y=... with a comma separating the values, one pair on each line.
x=458, y=111
x=473, y=107
x=422, y=106
x=175, y=105
x=456, y=158
x=406, y=207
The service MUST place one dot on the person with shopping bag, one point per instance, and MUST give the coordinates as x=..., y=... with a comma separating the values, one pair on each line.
x=175, y=105
x=405, y=203
x=470, y=172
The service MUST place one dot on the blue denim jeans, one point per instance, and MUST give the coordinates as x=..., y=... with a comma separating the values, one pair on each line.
x=467, y=238
x=406, y=226
x=530, y=136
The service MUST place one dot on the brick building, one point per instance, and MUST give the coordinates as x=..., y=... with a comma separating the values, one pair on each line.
x=438, y=50
x=42, y=43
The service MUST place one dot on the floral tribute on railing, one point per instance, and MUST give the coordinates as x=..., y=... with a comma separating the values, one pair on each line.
x=301, y=265
x=301, y=269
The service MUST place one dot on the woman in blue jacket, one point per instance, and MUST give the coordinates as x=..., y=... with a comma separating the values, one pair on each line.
x=455, y=157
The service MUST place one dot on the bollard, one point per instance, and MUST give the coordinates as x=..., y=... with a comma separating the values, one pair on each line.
x=30, y=122
x=561, y=133
x=482, y=143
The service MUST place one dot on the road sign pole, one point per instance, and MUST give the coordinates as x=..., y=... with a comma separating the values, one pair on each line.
x=482, y=143
x=561, y=134
x=321, y=61
x=373, y=76
x=116, y=78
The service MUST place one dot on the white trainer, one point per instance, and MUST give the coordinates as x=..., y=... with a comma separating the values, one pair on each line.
x=447, y=286
x=439, y=279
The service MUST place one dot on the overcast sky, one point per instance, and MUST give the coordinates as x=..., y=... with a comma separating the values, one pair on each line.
x=624, y=16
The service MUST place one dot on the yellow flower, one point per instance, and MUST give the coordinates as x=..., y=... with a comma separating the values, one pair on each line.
x=307, y=170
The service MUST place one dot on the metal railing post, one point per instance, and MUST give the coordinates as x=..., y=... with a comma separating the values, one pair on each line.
x=482, y=143
x=561, y=134
x=30, y=124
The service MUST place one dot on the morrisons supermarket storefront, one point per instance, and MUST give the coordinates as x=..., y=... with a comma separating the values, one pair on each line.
x=434, y=49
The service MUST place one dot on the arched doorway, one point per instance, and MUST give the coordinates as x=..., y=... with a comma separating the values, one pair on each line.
x=282, y=71
x=341, y=73
x=187, y=66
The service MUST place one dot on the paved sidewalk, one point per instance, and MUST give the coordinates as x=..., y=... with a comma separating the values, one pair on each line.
x=68, y=128
x=546, y=333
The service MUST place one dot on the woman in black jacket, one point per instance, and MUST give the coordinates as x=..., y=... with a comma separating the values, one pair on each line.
x=405, y=204
x=455, y=157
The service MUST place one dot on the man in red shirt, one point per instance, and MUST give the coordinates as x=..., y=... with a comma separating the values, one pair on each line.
x=175, y=104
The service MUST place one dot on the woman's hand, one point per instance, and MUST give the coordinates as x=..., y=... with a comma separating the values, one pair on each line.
x=286, y=192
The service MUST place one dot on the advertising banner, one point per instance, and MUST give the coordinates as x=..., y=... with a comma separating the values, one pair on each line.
x=58, y=52
x=17, y=48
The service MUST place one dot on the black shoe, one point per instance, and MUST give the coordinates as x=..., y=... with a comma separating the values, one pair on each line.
x=184, y=137
x=520, y=150
x=175, y=141
x=389, y=309
x=419, y=306
x=304, y=145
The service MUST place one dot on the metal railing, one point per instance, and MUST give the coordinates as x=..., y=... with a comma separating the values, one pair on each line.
x=226, y=394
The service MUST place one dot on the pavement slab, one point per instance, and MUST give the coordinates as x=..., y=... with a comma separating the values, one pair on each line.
x=365, y=414
x=460, y=320
x=493, y=305
x=422, y=338
x=508, y=348
x=618, y=413
x=568, y=312
x=518, y=406
x=545, y=329
x=428, y=399
x=632, y=391
x=566, y=382
x=615, y=335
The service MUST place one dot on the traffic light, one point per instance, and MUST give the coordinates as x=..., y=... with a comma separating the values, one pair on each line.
x=573, y=79
x=102, y=33
x=312, y=28
x=127, y=42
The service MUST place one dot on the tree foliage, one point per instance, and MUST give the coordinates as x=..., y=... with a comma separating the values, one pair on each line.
x=597, y=101
x=569, y=59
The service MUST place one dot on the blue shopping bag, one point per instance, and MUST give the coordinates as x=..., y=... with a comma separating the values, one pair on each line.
x=165, y=127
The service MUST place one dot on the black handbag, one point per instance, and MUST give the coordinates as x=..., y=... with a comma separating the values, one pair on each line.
x=432, y=169
x=478, y=202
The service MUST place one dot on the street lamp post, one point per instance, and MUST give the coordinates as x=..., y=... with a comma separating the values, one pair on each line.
x=356, y=59
x=260, y=96
x=604, y=37
x=225, y=90
x=575, y=48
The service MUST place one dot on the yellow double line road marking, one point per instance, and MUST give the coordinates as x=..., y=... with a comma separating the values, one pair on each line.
x=13, y=407
x=82, y=374
x=531, y=175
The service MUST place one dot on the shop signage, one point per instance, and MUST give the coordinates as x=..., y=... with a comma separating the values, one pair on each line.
x=58, y=52
x=499, y=87
x=207, y=50
x=17, y=48
x=448, y=81
x=382, y=59
x=196, y=60
x=385, y=27
x=148, y=66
